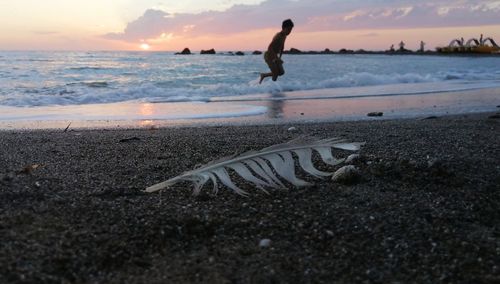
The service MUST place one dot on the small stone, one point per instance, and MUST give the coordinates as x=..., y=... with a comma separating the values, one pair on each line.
x=329, y=233
x=301, y=113
x=376, y=114
x=131, y=139
x=346, y=175
x=430, y=117
x=292, y=129
x=352, y=158
x=38, y=184
x=264, y=243
x=8, y=177
x=434, y=163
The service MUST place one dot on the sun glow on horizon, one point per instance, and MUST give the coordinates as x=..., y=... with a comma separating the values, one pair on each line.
x=145, y=46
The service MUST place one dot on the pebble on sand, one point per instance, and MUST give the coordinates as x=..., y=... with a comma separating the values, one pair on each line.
x=375, y=114
x=292, y=129
x=264, y=243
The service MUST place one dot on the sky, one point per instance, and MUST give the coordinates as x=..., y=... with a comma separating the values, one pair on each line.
x=160, y=25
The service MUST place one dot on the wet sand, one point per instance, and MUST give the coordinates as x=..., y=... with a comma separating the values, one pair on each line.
x=426, y=209
x=324, y=105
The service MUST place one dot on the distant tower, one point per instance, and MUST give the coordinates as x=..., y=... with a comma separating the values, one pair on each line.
x=422, y=46
x=402, y=46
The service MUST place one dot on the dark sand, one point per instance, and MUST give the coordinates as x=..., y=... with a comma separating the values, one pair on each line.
x=427, y=209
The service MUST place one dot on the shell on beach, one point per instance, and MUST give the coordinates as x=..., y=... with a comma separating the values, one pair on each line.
x=346, y=175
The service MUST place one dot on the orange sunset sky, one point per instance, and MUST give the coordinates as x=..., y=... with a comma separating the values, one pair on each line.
x=241, y=25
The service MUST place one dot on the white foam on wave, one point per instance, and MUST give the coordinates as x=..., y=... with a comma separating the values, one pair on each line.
x=366, y=92
x=78, y=94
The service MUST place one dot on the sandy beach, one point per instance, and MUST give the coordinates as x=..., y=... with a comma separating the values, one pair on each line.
x=72, y=207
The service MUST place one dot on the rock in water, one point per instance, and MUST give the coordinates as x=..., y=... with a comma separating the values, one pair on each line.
x=209, y=51
x=346, y=175
x=185, y=51
x=294, y=51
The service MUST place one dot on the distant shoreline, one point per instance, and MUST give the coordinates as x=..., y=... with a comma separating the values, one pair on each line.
x=349, y=52
x=294, y=51
x=309, y=52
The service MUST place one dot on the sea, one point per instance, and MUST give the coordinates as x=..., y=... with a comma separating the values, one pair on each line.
x=38, y=80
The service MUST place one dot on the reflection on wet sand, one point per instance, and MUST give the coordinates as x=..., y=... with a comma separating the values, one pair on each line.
x=275, y=108
x=276, y=104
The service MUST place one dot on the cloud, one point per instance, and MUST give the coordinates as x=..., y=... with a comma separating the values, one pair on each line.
x=44, y=32
x=369, y=35
x=322, y=15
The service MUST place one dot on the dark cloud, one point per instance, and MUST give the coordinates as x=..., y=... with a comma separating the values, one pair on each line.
x=318, y=15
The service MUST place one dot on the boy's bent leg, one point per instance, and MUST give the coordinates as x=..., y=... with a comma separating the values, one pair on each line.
x=275, y=69
x=264, y=75
x=281, y=70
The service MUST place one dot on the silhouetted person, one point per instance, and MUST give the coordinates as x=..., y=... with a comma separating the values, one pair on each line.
x=392, y=48
x=275, y=50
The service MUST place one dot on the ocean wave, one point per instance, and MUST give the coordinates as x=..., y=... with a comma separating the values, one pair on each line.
x=91, y=68
x=94, y=92
x=40, y=60
x=90, y=84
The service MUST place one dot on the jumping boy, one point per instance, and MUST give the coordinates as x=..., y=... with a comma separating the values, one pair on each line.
x=275, y=50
